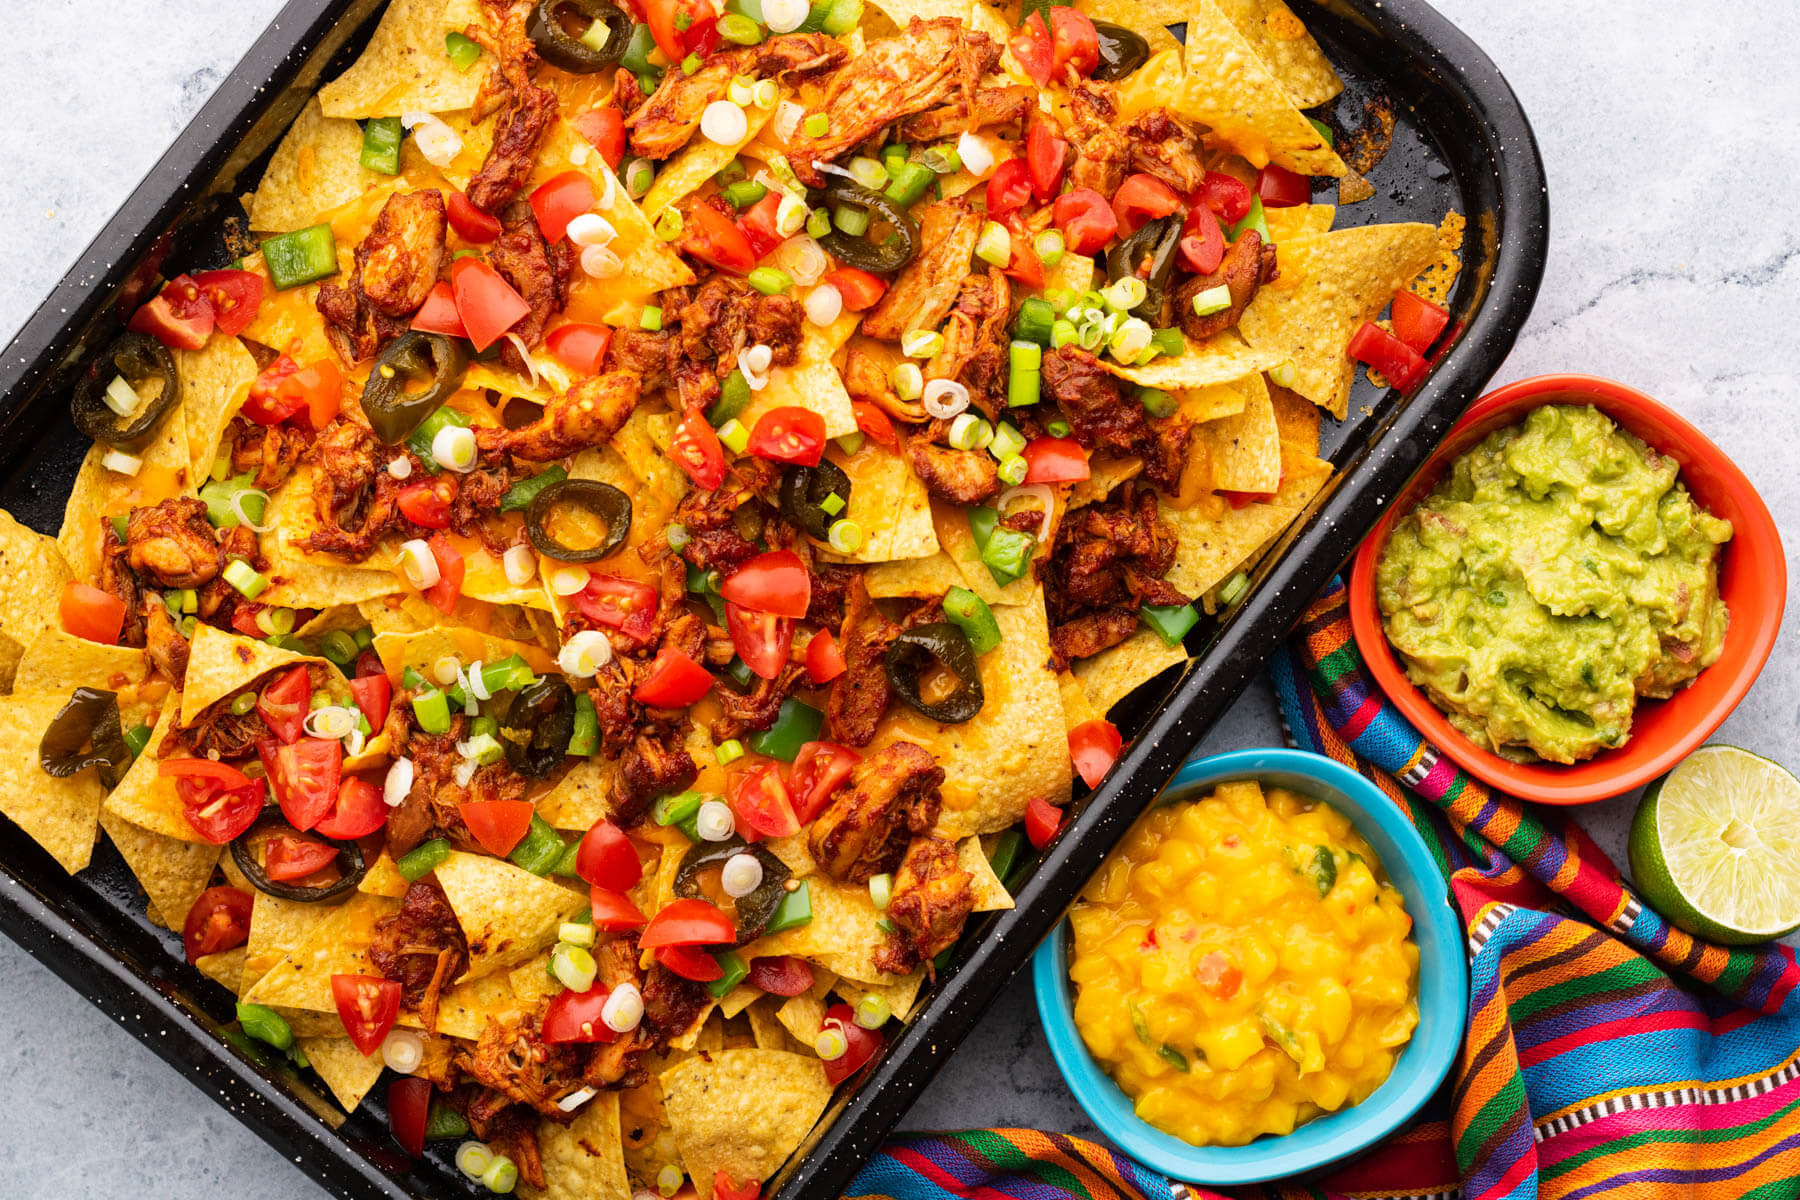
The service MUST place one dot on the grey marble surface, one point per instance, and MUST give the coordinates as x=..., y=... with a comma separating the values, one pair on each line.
x=1674, y=266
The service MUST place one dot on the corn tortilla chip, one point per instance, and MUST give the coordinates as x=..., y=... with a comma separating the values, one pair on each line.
x=585, y=1159
x=888, y=502
x=699, y=161
x=1077, y=708
x=99, y=494
x=742, y=1111
x=61, y=815
x=226, y=968
x=296, y=581
x=404, y=67
x=990, y=894
x=1112, y=674
x=383, y=878
x=900, y=995
x=802, y=1016
x=347, y=1071
x=277, y=929
x=172, y=872
x=55, y=659
x=220, y=663
x=951, y=521
x=35, y=572
x=1222, y=358
x=901, y=12
x=317, y=166
x=914, y=577
x=738, y=999
x=1215, y=537
x=580, y=798
x=1141, y=16
x=1300, y=220
x=214, y=382
x=1286, y=48
x=507, y=913
x=811, y=381
x=845, y=923
x=767, y=1029
x=146, y=798
x=1243, y=451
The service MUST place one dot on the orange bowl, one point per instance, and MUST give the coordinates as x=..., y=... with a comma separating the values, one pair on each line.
x=1752, y=580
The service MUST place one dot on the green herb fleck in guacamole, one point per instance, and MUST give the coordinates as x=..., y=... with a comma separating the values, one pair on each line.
x=1558, y=573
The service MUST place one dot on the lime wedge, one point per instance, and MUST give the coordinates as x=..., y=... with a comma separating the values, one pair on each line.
x=1715, y=846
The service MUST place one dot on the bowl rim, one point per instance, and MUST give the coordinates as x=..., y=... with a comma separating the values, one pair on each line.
x=1418, y=1072
x=1635, y=763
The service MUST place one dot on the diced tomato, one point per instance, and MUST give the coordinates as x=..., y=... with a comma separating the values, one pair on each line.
x=438, y=314
x=690, y=962
x=715, y=238
x=760, y=801
x=286, y=388
x=614, y=911
x=875, y=423
x=444, y=593
x=87, y=612
x=1282, y=188
x=1009, y=187
x=470, y=222
x=497, y=824
x=864, y=1044
x=1055, y=460
x=1042, y=820
x=702, y=37
x=579, y=346
x=367, y=1005
x=427, y=502
x=234, y=296
x=218, y=920
x=373, y=694
x=1219, y=975
x=774, y=582
x=726, y=1188
x=1143, y=198
x=1087, y=221
x=762, y=640
x=1030, y=43
x=180, y=316
x=1202, y=241
x=696, y=447
x=674, y=680
x=780, y=974
x=409, y=1108
x=488, y=305
x=1074, y=42
x=369, y=663
x=284, y=703
x=561, y=199
x=1094, y=747
x=1246, y=499
x=622, y=604
x=1024, y=265
x=243, y=618
x=218, y=811
x=577, y=1017
x=1227, y=196
x=861, y=290
x=304, y=777
x=359, y=811
x=607, y=859
x=760, y=226
x=286, y=859
x=820, y=768
x=604, y=129
x=789, y=434
x=1398, y=362
x=1044, y=154
x=688, y=922
x=1417, y=321
x=824, y=658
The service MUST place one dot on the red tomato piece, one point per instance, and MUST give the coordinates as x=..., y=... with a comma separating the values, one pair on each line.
x=759, y=798
x=607, y=859
x=286, y=389
x=726, y=1188
x=669, y=32
x=1042, y=820
x=1030, y=43
x=444, y=593
x=864, y=1044
x=1143, y=198
x=470, y=223
x=824, y=658
x=1226, y=195
x=696, y=447
x=87, y=612
x=359, y=811
x=789, y=434
x=234, y=296
x=820, y=768
x=614, y=911
x=284, y=704
x=1218, y=975
x=688, y=922
x=780, y=975
x=1074, y=42
x=1398, y=362
x=488, y=305
x=1202, y=245
x=218, y=920
x=579, y=346
x=690, y=962
x=559, y=200
x=875, y=423
x=1055, y=460
x=1246, y=499
x=1087, y=221
x=774, y=582
x=217, y=799
x=180, y=316
x=243, y=618
x=427, y=502
x=369, y=663
x=622, y=604
x=497, y=824
x=373, y=694
x=1282, y=188
x=763, y=640
x=1417, y=321
x=286, y=859
x=604, y=129
x=304, y=777
x=1044, y=153
x=1024, y=265
x=760, y=225
x=438, y=314
x=576, y=1017
x=367, y=1005
x=715, y=238
x=674, y=680
x=1094, y=747
x=409, y=1107
x=1009, y=187
x=861, y=290
x=702, y=37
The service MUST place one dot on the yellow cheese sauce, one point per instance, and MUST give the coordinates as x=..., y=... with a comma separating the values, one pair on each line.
x=1242, y=966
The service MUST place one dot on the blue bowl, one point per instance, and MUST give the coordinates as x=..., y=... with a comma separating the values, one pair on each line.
x=1422, y=1065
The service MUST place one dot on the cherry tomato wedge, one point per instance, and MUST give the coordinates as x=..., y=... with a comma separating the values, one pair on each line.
x=1042, y=820
x=444, y=593
x=780, y=974
x=1202, y=245
x=1055, y=460
x=470, y=222
x=773, y=582
x=1044, y=154
x=218, y=920
x=1094, y=747
x=304, y=777
x=607, y=859
x=604, y=129
x=614, y=911
x=180, y=316
x=576, y=1017
x=438, y=314
x=875, y=423
x=824, y=658
x=1143, y=198
x=1074, y=42
x=373, y=694
x=285, y=389
x=1087, y=221
x=688, y=922
x=690, y=962
x=234, y=296
x=789, y=434
x=696, y=447
x=87, y=612
x=1282, y=188
x=1024, y=265
x=359, y=811
x=863, y=1044
x=1030, y=43
x=1009, y=187
x=726, y=1188
x=622, y=604
x=673, y=681
x=427, y=502
x=1417, y=321
x=286, y=859
x=284, y=704
x=762, y=640
x=760, y=225
x=1398, y=362
x=217, y=800
x=497, y=824
x=409, y=1107
x=861, y=290
x=367, y=1005
x=714, y=238
x=559, y=200
x=488, y=305
x=760, y=801
x=579, y=346
x=818, y=771
x=670, y=32
x=1226, y=195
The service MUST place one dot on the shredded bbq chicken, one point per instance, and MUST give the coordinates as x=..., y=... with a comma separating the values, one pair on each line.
x=588, y=414
x=922, y=294
x=1247, y=265
x=1168, y=148
x=421, y=947
x=396, y=266
x=173, y=544
x=859, y=697
x=268, y=452
x=662, y=124
x=1102, y=151
x=520, y=128
x=1104, y=416
x=931, y=900
x=433, y=808
x=539, y=272
x=1109, y=559
x=890, y=797
x=992, y=106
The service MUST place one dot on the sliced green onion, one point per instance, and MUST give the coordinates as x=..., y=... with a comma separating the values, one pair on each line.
x=850, y=219
x=791, y=213
x=574, y=967
x=770, y=281
x=845, y=536
x=744, y=193
x=1171, y=622
x=585, y=739
x=1063, y=333
x=277, y=620
x=245, y=578
x=1057, y=427
x=432, y=710
x=461, y=50
x=1036, y=321
x=970, y=432
x=943, y=160
x=893, y=154
x=908, y=182
x=502, y=1175
x=994, y=246
x=728, y=751
x=832, y=505
x=242, y=703
x=873, y=1011
x=669, y=1179
x=690, y=65
x=921, y=343
x=1007, y=442
x=1126, y=294
x=886, y=926
x=1023, y=379
x=473, y=1158
x=1012, y=470
x=1234, y=587
x=1169, y=342
x=1131, y=340
x=909, y=381
x=735, y=27
x=423, y=860
x=1212, y=300
x=816, y=125
x=818, y=223
x=869, y=173
x=850, y=442
x=1050, y=246
x=637, y=174
x=881, y=890
x=337, y=646
x=765, y=93
x=1157, y=402
x=651, y=318
x=741, y=91
x=842, y=16
x=1284, y=374
x=831, y=1044
x=734, y=436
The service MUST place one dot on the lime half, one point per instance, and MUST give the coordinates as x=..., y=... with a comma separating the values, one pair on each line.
x=1715, y=846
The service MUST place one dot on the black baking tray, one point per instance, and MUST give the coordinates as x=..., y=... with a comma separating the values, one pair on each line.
x=1460, y=141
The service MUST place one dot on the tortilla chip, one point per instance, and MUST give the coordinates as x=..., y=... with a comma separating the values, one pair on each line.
x=1297, y=421
x=278, y=928
x=61, y=815
x=802, y=1016
x=383, y=878
x=890, y=504
x=336, y=944
x=1436, y=282
x=316, y=168
x=404, y=67
x=1215, y=537
x=1243, y=450
x=585, y=1159
x=507, y=913
x=901, y=12
x=739, y=998
x=214, y=382
x=99, y=493
x=1228, y=88
x=1112, y=674
x=742, y=1112
x=990, y=894
x=1219, y=359
x=1141, y=16
x=916, y=578
x=699, y=161
x=144, y=797
x=57, y=660
x=172, y=872
x=1299, y=220
x=347, y=1071
x=298, y=581
x=1281, y=41
x=845, y=923
x=35, y=572
x=767, y=1029
x=221, y=663
x=226, y=968
x=1329, y=286
x=900, y=995
x=811, y=381
x=580, y=798
x=1077, y=708
x=958, y=541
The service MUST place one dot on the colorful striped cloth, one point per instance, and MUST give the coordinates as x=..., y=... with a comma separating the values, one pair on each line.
x=1609, y=1055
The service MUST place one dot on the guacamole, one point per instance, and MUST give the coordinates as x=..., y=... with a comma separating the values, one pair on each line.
x=1558, y=573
